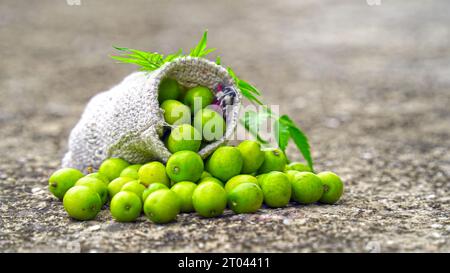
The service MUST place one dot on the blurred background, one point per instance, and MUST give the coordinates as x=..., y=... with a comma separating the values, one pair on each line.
x=367, y=80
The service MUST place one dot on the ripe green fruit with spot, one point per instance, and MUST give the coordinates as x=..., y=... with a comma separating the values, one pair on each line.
x=209, y=199
x=307, y=188
x=239, y=179
x=135, y=187
x=210, y=123
x=225, y=163
x=211, y=179
x=82, y=203
x=153, y=172
x=126, y=206
x=276, y=188
x=162, y=206
x=95, y=184
x=245, y=198
x=152, y=188
x=297, y=166
x=198, y=98
x=176, y=113
x=184, y=190
x=116, y=185
x=274, y=160
x=184, y=166
x=131, y=171
x=332, y=187
x=169, y=89
x=252, y=156
x=99, y=176
x=184, y=138
x=62, y=180
x=112, y=167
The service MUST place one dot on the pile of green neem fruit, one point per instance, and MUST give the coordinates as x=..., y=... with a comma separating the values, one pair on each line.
x=242, y=177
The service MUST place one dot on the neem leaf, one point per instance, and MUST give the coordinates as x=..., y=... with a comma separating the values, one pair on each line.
x=282, y=134
x=251, y=122
x=299, y=138
x=218, y=60
x=200, y=50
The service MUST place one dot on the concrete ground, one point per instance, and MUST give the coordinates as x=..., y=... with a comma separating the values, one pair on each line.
x=369, y=84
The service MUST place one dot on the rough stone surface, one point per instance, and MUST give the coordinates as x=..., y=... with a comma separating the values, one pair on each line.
x=369, y=84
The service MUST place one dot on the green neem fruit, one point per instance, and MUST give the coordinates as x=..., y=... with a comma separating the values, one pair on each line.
x=131, y=171
x=274, y=160
x=153, y=172
x=307, y=188
x=135, y=187
x=125, y=206
x=152, y=188
x=169, y=89
x=210, y=123
x=99, y=176
x=239, y=179
x=252, y=155
x=117, y=184
x=205, y=174
x=162, y=206
x=332, y=187
x=297, y=166
x=184, y=190
x=276, y=189
x=82, y=203
x=184, y=138
x=176, y=113
x=112, y=167
x=62, y=180
x=245, y=198
x=209, y=199
x=198, y=98
x=211, y=179
x=97, y=185
x=184, y=166
x=225, y=163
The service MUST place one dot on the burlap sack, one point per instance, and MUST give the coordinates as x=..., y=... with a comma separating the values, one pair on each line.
x=126, y=120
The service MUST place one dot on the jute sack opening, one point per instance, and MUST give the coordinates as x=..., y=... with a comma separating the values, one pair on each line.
x=127, y=122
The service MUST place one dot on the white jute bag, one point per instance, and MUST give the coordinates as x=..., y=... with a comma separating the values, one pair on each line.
x=127, y=122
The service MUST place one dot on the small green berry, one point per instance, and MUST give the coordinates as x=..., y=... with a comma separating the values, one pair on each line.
x=184, y=190
x=252, y=156
x=131, y=171
x=210, y=123
x=297, y=166
x=162, y=206
x=333, y=187
x=126, y=206
x=198, y=98
x=225, y=163
x=184, y=138
x=62, y=180
x=184, y=166
x=176, y=113
x=112, y=167
x=245, y=198
x=82, y=203
x=274, y=160
x=153, y=172
x=307, y=188
x=169, y=89
x=276, y=189
x=209, y=199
